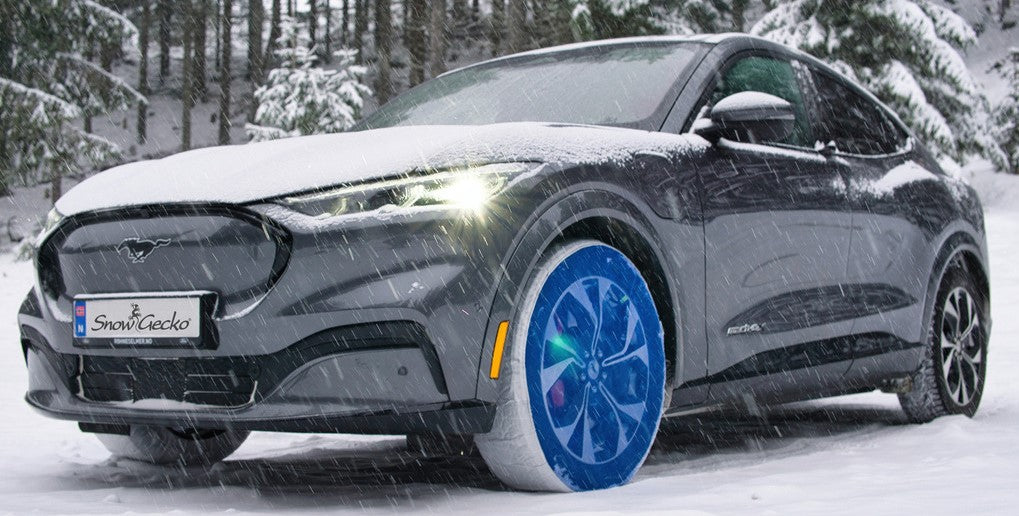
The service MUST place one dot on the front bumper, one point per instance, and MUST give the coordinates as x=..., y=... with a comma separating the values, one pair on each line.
x=292, y=408
x=376, y=326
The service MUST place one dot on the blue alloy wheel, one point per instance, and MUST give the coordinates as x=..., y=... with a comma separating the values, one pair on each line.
x=594, y=375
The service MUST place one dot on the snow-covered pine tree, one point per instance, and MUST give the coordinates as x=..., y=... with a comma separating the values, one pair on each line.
x=701, y=16
x=299, y=98
x=599, y=19
x=1006, y=114
x=46, y=85
x=905, y=51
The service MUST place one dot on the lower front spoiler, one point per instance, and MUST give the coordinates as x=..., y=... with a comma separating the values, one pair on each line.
x=463, y=417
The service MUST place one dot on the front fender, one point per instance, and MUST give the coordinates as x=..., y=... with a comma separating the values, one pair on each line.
x=551, y=224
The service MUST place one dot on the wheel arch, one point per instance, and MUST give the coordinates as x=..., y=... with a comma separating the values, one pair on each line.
x=601, y=213
x=963, y=250
x=636, y=247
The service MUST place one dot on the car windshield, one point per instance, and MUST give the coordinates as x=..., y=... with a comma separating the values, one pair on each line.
x=622, y=85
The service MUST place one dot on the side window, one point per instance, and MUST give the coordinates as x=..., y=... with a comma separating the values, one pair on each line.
x=852, y=121
x=774, y=77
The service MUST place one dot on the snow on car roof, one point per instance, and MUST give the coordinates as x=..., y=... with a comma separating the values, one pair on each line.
x=710, y=39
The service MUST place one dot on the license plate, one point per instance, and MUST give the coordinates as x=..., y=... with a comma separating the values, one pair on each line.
x=138, y=320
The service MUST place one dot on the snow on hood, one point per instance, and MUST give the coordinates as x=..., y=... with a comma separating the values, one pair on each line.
x=246, y=173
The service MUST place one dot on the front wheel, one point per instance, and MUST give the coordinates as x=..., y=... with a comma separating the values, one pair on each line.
x=951, y=378
x=583, y=385
x=184, y=447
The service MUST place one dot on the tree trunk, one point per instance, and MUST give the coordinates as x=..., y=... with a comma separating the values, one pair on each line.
x=200, y=23
x=438, y=37
x=498, y=26
x=274, y=32
x=187, y=81
x=459, y=19
x=218, y=27
x=739, y=10
x=329, y=33
x=417, y=46
x=290, y=8
x=6, y=52
x=1003, y=10
x=517, y=25
x=360, y=27
x=165, y=8
x=256, y=19
x=345, y=29
x=224, y=74
x=56, y=185
x=383, y=50
x=143, y=71
x=313, y=22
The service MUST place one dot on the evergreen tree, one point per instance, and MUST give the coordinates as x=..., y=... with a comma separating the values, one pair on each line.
x=46, y=84
x=1006, y=115
x=361, y=8
x=416, y=40
x=299, y=98
x=165, y=11
x=438, y=37
x=256, y=57
x=907, y=53
x=328, y=57
x=701, y=16
x=345, y=23
x=200, y=24
x=383, y=50
x=187, y=90
x=312, y=23
x=224, y=73
x=143, y=70
x=599, y=19
x=516, y=25
x=497, y=25
x=274, y=31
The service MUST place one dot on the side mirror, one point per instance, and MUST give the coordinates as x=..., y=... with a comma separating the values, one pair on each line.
x=750, y=117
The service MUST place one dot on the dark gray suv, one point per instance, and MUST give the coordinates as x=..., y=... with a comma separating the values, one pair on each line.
x=549, y=252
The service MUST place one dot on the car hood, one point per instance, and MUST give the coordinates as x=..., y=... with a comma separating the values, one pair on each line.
x=259, y=171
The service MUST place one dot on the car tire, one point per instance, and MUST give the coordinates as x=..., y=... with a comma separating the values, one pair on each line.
x=952, y=376
x=574, y=417
x=157, y=445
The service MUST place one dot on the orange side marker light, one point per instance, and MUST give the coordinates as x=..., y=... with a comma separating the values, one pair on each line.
x=500, y=343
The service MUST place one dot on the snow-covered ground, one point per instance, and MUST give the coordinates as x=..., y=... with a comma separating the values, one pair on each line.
x=850, y=455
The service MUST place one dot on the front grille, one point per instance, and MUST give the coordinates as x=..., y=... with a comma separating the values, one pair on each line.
x=226, y=382
x=229, y=251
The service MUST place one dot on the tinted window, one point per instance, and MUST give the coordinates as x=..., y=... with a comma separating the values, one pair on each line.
x=618, y=85
x=774, y=77
x=852, y=121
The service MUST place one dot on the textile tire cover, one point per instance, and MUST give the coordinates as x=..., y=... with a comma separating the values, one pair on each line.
x=582, y=382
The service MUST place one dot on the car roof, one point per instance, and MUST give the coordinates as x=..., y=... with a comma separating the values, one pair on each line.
x=729, y=38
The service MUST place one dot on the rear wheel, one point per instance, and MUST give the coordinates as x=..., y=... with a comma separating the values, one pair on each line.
x=583, y=384
x=185, y=447
x=951, y=378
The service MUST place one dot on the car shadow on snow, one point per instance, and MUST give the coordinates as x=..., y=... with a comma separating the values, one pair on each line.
x=731, y=439
x=387, y=475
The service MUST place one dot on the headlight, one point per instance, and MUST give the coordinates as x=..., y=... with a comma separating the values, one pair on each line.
x=468, y=189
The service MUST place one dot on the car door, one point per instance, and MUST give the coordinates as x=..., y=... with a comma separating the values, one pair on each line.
x=888, y=267
x=777, y=231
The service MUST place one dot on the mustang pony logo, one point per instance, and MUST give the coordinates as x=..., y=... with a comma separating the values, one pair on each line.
x=138, y=250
